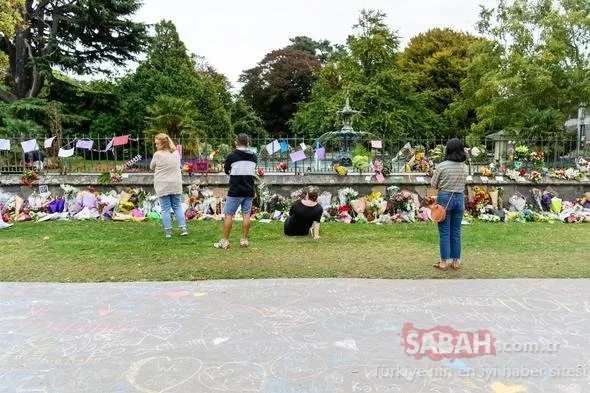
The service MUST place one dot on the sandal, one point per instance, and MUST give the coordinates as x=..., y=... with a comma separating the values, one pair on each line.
x=440, y=265
x=456, y=265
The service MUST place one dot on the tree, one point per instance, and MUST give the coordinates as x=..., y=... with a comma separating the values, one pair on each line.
x=388, y=104
x=75, y=35
x=274, y=87
x=175, y=116
x=245, y=120
x=10, y=19
x=169, y=70
x=323, y=50
x=535, y=70
x=436, y=62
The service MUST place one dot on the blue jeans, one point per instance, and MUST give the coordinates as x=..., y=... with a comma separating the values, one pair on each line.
x=168, y=203
x=232, y=203
x=449, y=231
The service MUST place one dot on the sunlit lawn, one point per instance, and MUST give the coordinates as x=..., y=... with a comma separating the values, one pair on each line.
x=125, y=251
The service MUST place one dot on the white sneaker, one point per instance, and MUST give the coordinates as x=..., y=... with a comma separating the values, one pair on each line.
x=223, y=243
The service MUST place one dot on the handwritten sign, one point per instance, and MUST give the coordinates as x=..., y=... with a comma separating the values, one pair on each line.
x=376, y=144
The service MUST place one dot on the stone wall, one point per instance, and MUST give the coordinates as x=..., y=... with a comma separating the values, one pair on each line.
x=285, y=183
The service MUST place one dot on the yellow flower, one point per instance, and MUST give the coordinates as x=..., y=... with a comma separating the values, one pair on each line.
x=374, y=196
x=419, y=156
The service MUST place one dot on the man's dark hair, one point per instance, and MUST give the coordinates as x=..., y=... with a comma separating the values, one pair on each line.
x=243, y=139
x=455, y=151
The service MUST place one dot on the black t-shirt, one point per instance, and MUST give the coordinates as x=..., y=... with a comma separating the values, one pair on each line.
x=301, y=218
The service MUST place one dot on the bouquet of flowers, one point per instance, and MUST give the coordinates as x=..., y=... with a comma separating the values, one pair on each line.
x=189, y=168
x=386, y=169
x=535, y=177
x=340, y=170
x=403, y=202
x=486, y=171
x=537, y=157
x=489, y=217
x=521, y=153
x=332, y=212
x=260, y=172
x=513, y=174
x=109, y=177
x=298, y=194
x=345, y=195
x=437, y=153
x=573, y=219
x=282, y=166
x=481, y=198
x=29, y=176
x=360, y=162
x=558, y=174
x=571, y=173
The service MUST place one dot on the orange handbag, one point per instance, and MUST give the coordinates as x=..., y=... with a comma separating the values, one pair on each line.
x=438, y=212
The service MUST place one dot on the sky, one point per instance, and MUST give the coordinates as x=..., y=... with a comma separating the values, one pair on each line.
x=234, y=35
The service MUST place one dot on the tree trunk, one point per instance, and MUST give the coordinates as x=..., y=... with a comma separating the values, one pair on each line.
x=26, y=78
x=20, y=77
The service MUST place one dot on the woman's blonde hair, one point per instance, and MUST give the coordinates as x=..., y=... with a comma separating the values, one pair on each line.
x=166, y=141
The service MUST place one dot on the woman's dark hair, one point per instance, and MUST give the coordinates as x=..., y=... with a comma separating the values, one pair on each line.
x=312, y=193
x=455, y=151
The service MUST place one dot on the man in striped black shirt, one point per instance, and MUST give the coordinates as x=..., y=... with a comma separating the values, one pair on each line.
x=240, y=165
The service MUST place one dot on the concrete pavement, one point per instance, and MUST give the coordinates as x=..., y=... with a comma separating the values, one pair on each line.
x=292, y=335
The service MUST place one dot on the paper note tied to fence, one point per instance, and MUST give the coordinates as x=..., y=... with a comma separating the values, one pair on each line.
x=297, y=156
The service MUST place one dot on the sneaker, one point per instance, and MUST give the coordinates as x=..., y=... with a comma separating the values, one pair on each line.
x=243, y=243
x=183, y=231
x=168, y=233
x=223, y=243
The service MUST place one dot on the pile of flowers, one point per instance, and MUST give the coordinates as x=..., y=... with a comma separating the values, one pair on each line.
x=347, y=205
x=201, y=203
x=568, y=174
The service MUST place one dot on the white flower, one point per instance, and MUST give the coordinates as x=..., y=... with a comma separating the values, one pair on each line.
x=571, y=173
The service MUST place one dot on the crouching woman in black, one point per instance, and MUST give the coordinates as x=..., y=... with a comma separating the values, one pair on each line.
x=304, y=215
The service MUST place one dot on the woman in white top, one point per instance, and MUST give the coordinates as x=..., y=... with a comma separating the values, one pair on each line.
x=168, y=183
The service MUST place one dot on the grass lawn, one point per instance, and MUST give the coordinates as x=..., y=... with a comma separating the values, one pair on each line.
x=70, y=251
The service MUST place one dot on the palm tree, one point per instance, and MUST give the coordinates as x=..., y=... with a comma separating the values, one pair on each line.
x=177, y=117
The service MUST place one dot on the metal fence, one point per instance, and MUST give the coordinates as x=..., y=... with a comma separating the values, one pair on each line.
x=209, y=154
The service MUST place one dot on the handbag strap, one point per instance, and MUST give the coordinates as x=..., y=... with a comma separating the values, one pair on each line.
x=452, y=193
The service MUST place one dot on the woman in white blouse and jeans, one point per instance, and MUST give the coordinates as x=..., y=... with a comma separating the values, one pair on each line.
x=168, y=183
x=449, y=179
